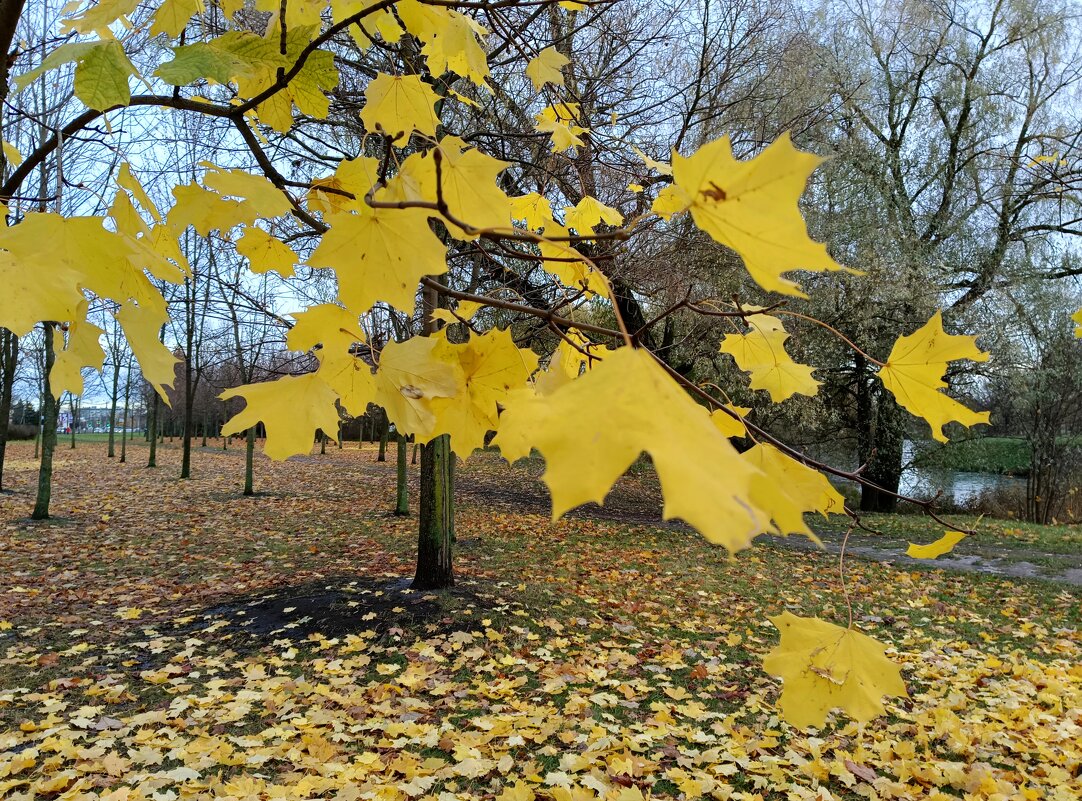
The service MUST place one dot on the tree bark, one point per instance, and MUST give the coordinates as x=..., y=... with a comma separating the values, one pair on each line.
x=112, y=412
x=384, y=435
x=48, y=434
x=152, y=432
x=402, y=505
x=880, y=434
x=124, y=428
x=249, y=462
x=437, y=520
x=9, y=358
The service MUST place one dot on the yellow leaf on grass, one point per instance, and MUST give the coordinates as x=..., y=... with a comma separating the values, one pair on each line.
x=545, y=68
x=292, y=409
x=824, y=667
x=397, y=105
x=914, y=375
x=492, y=366
x=593, y=428
x=751, y=207
x=380, y=255
x=761, y=352
x=266, y=252
x=944, y=544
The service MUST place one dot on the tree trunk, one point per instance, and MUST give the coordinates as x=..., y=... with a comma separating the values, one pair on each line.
x=74, y=417
x=881, y=433
x=9, y=357
x=249, y=462
x=204, y=430
x=112, y=413
x=402, y=506
x=48, y=434
x=186, y=444
x=124, y=428
x=322, y=444
x=437, y=519
x=152, y=432
x=384, y=435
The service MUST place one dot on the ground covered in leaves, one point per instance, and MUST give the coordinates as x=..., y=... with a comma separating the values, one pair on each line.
x=167, y=639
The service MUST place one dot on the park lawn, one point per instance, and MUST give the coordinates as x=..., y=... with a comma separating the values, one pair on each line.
x=174, y=640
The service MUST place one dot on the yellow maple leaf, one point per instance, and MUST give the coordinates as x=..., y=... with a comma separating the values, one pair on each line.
x=545, y=68
x=492, y=366
x=786, y=489
x=266, y=252
x=567, y=264
x=572, y=357
x=652, y=164
x=593, y=428
x=932, y=550
x=12, y=155
x=411, y=375
x=127, y=180
x=751, y=207
x=467, y=180
x=588, y=212
x=824, y=666
x=207, y=211
x=1077, y=317
x=397, y=105
x=761, y=352
x=533, y=209
x=292, y=409
x=380, y=255
x=262, y=197
x=83, y=349
x=172, y=16
x=382, y=21
x=519, y=791
x=729, y=425
x=355, y=176
x=914, y=375
x=335, y=331
x=142, y=323
x=564, y=135
x=450, y=40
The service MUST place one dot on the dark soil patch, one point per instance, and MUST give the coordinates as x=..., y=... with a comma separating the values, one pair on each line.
x=343, y=606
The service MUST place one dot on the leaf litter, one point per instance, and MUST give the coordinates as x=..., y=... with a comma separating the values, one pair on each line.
x=173, y=640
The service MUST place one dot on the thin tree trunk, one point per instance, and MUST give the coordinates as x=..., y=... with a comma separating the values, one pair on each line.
x=9, y=357
x=322, y=444
x=48, y=434
x=74, y=417
x=402, y=507
x=249, y=462
x=384, y=435
x=124, y=428
x=152, y=432
x=112, y=412
x=204, y=430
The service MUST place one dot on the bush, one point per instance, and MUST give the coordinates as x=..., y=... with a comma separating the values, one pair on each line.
x=21, y=431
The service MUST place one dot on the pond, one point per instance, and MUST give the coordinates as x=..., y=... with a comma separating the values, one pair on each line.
x=959, y=488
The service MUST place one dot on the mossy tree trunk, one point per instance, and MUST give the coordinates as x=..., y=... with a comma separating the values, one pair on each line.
x=402, y=503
